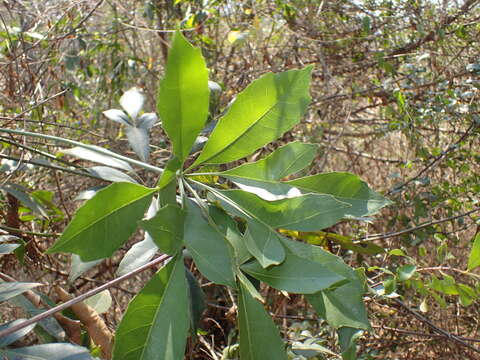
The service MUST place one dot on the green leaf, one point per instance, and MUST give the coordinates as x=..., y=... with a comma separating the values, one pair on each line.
x=168, y=182
x=7, y=248
x=263, y=243
x=26, y=199
x=309, y=212
x=104, y=222
x=208, y=247
x=10, y=289
x=49, y=324
x=405, y=272
x=347, y=338
x=183, y=97
x=196, y=301
x=155, y=326
x=474, y=258
x=166, y=228
x=346, y=188
x=342, y=306
x=259, y=337
x=57, y=351
x=284, y=161
x=228, y=227
x=295, y=275
x=78, y=267
x=100, y=302
x=265, y=110
x=7, y=340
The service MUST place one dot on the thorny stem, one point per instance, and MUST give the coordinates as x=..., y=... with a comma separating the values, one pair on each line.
x=82, y=297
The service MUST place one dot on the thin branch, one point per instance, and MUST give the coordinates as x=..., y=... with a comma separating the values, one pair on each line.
x=413, y=229
x=82, y=297
x=418, y=333
x=436, y=160
x=434, y=327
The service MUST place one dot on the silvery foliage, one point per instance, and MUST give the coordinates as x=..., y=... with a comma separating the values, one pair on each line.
x=137, y=127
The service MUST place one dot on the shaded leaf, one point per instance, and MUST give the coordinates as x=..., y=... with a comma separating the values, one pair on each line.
x=228, y=227
x=208, y=247
x=26, y=199
x=139, y=141
x=259, y=337
x=196, y=300
x=347, y=338
x=342, y=306
x=405, y=272
x=166, y=228
x=262, y=112
x=295, y=275
x=155, y=326
x=147, y=120
x=263, y=243
x=183, y=97
x=104, y=222
x=49, y=324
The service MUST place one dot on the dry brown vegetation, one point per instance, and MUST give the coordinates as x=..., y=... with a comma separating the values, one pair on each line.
x=391, y=103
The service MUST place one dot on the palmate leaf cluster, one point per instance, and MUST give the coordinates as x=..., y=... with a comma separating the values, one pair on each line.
x=231, y=233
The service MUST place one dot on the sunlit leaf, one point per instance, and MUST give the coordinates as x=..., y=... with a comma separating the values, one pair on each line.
x=265, y=110
x=101, y=158
x=11, y=289
x=56, y=351
x=474, y=258
x=110, y=174
x=183, y=97
x=132, y=102
x=284, y=161
x=105, y=222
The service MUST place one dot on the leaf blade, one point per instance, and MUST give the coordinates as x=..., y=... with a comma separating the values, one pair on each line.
x=209, y=248
x=345, y=187
x=163, y=305
x=110, y=216
x=260, y=114
x=183, y=97
x=259, y=337
x=284, y=161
